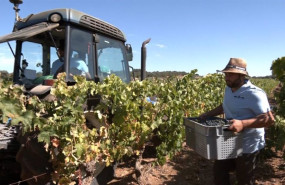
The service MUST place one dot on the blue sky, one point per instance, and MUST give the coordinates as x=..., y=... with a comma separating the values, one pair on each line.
x=185, y=34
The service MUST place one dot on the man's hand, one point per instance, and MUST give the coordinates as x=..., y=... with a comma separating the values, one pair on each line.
x=236, y=125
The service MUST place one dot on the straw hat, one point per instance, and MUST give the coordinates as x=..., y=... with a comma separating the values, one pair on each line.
x=236, y=65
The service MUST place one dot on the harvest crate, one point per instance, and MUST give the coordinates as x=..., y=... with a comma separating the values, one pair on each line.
x=212, y=142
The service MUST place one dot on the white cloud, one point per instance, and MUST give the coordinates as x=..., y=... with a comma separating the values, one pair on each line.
x=160, y=45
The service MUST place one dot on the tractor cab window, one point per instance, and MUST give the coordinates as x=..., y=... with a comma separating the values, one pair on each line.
x=53, y=59
x=32, y=68
x=81, y=55
x=31, y=60
x=112, y=58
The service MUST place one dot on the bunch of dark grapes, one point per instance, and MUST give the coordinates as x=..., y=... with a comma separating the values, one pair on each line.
x=215, y=122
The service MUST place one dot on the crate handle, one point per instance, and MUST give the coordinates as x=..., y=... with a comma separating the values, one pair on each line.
x=226, y=128
x=222, y=129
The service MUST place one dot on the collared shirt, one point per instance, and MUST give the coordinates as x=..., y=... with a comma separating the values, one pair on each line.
x=247, y=102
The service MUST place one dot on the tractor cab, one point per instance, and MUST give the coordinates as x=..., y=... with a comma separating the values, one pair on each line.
x=66, y=40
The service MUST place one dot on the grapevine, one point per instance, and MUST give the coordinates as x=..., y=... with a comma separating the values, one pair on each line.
x=128, y=119
x=277, y=133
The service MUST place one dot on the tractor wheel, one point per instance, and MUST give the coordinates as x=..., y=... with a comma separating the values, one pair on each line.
x=34, y=162
x=35, y=168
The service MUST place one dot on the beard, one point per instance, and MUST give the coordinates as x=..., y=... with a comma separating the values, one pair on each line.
x=234, y=84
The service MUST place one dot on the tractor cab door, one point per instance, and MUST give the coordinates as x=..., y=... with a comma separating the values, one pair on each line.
x=34, y=52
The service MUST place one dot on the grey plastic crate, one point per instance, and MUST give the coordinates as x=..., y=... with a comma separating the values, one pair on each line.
x=212, y=142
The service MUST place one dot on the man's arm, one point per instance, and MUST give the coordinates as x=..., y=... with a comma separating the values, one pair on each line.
x=88, y=76
x=260, y=121
x=214, y=112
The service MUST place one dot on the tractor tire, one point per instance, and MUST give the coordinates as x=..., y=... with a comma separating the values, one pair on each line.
x=9, y=168
x=34, y=162
x=33, y=159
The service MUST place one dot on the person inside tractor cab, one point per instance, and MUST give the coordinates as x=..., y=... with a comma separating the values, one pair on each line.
x=77, y=63
x=59, y=62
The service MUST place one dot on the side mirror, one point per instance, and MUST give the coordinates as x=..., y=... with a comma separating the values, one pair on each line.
x=129, y=52
x=24, y=64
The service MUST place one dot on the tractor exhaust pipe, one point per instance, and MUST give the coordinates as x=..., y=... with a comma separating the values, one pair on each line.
x=143, y=59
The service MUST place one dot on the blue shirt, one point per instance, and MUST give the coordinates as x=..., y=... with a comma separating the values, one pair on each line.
x=78, y=67
x=247, y=102
x=56, y=65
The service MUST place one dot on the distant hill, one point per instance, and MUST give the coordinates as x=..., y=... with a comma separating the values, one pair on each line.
x=164, y=74
x=5, y=75
x=137, y=73
x=159, y=74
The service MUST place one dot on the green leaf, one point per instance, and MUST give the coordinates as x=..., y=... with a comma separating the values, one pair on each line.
x=79, y=150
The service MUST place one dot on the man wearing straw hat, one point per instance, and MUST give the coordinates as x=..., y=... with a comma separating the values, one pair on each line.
x=247, y=108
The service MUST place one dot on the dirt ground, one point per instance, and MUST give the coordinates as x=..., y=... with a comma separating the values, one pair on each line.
x=188, y=168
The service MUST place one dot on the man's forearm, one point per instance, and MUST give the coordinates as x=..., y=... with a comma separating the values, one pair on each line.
x=216, y=111
x=262, y=120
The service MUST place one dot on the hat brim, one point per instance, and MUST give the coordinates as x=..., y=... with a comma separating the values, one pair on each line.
x=232, y=70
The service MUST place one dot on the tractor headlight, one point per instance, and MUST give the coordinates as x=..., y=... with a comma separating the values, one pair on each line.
x=55, y=17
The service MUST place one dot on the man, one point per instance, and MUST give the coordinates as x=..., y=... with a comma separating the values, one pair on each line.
x=247, y=108
x=77, y=65
x=59, y=62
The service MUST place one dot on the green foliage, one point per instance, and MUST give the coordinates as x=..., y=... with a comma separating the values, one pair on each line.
x=277, y=134
x=278, y=70
x=178, y=98
x=267, y=84
x=13, y=105
x=5, y=76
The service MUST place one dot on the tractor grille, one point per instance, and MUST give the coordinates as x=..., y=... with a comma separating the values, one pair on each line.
x=102, y=27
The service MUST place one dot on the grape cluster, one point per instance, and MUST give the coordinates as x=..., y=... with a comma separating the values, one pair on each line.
x=216, y=122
